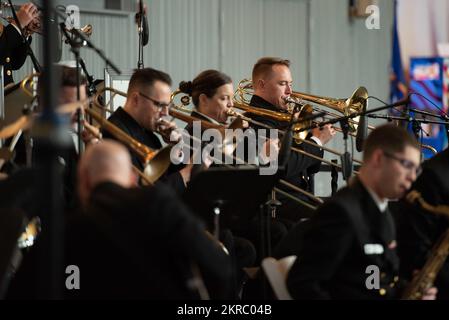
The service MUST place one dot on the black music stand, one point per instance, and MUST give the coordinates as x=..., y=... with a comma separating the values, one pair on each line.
x=218, y=193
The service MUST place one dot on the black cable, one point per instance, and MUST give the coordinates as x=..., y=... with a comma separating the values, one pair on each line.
x=436, y=106
x=384, y=103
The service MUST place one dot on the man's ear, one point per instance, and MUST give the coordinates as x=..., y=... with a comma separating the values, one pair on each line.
x=134, y=97
x=378, y=157
x=260, y=84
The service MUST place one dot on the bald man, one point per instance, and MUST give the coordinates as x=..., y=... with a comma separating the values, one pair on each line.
x=109, y=161
x=131, y=242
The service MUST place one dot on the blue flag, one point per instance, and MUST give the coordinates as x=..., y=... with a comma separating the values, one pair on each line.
x=398, y=86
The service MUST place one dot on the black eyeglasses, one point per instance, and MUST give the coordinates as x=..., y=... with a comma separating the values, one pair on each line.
x=409, y=165
x=156, y=103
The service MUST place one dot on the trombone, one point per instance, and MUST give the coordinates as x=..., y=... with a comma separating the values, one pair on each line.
x=354, y=103
x=156, y=162
x=357, y=102
x=182, y=108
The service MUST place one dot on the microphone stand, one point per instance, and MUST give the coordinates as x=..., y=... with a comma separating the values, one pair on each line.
x=416, y=123
x=140, y=32
x=91, y=88
x=87, y=42
x=407, y=119
x=75, y=46
x=30, y=52
x=357, y=114
x=346, y=158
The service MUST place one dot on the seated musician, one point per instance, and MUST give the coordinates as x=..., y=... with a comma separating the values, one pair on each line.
x=13, y=51
x=420, y=229
x=132, y=243
x=272, y=83
x=349, y=250
x=148, y=101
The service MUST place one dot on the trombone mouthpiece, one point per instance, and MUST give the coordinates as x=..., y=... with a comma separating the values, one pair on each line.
x=294, y=101
x=231, y=113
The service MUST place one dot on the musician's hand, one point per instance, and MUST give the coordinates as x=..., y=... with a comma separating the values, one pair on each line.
x=166, y=129
x=270, y=151
x=90, y=134
x=430, y=294
x=27, y=13
x=325, y=133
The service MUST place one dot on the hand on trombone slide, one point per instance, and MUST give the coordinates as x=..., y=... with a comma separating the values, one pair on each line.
x=90, y=133
x=167, y=130
x=324, y=133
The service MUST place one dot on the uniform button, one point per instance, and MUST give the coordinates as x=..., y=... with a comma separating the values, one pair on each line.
x=383, y=275
x=8, y=72
x=8, y=59
x=382, y=292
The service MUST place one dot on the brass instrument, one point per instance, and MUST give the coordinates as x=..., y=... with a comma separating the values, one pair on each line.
x=415, y=197
x=281, y=116
x=182, y=108
x=156, y=161
x=427, y=275
x=29, y=235
x=354, y=104
x=97, y=134
x=430, y=148
x=36, y=26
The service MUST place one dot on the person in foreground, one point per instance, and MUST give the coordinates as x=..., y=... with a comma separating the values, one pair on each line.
x=349, y=252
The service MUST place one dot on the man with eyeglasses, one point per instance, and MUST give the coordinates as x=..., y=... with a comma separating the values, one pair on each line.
x=349, y=252
x=148, y=101
x=419, y=229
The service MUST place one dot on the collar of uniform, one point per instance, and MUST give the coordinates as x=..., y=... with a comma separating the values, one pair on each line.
x=382, y=205
x=262, y=103
x=128, y=119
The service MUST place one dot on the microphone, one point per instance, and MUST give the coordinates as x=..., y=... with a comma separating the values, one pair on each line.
x=361, y=131
x=142, y=23
x=145, y=31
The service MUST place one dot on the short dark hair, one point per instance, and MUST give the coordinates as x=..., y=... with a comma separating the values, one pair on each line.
x=389, y=138
x=66, y=76
x=265, y=65
x=147, y=77
x=207, y=82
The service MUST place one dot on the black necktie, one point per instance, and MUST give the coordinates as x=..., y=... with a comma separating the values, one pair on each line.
x=387, y=227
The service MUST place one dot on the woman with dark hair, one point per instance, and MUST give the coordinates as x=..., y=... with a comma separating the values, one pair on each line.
x=212, y=93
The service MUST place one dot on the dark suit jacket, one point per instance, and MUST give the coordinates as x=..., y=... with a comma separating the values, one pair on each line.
x=141, y=243
x=419, y=230
x=347, y=234
x=133, y=244
x=299, y=167
x=13, y=52
x=130, y=126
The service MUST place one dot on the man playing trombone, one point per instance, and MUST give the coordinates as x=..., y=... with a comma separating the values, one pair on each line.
x=148, y=101
x=272, y=83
